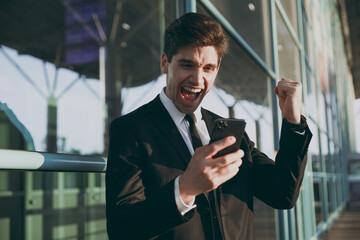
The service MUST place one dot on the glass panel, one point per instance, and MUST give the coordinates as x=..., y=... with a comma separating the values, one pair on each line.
x=37, y=181
x=354, y=190
x=289, y=58
x=336, y=191
x=264, y=221
x=329, y=158
x=314, y=147
x=307, y=34
x=98, y=182
x=11, y=182
x=331, y=200
x=305, y=30
x=52, y=180
x=357, y=120
x=318, y=199
x=291, y=12
x=336, y=129
x=307, y=8
x=240, y=75
x=136, y=31
x=325, y=150
x=74, y=180
x=48, y=98
x=54, y=214
x=311, y=98
x=256, y=16
x=322, y=111
x=338, y=188
x=335, y=115
x=51, y=98
x=330, y=122
x=316, y=162
x=337, y=161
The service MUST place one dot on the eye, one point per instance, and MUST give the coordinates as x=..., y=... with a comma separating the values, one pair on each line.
x=186, y=65
x=209, y=68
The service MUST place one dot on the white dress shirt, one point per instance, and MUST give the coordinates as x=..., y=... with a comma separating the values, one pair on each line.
x=182, y=126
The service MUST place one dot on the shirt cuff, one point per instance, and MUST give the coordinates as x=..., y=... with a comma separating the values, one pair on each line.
x=301, y=133
x=182, y=207
x=298, y=128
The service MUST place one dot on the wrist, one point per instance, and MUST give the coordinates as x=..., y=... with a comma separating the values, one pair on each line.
x=185, y=195
x=297, y=127
x=295, y=121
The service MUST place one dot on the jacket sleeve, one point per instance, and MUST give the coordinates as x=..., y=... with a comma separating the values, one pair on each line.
x=278, y=183
x=132, y=212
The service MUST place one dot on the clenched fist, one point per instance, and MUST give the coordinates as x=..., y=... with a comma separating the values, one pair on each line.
x=289, y=93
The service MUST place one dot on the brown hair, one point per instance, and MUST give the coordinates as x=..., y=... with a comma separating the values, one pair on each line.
x=194, y=29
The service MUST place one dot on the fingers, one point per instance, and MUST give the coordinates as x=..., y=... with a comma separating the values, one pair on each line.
x=287, y=87
x=205, y=173
x=228, y=159
x=227, y=166
x=289, y=93
x=228, y=172
x=212, y=149
x=276, y=90
x=224, y=168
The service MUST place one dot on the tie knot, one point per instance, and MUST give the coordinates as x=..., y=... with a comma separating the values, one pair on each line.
x=189, y=117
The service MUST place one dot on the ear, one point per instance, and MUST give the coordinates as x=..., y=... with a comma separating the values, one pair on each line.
x=219, y=64
x=164, y=63
x=218, y=67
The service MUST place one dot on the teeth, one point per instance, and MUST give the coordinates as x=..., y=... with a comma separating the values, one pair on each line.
x=192, y=90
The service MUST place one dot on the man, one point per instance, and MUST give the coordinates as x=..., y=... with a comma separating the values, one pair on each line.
x=158, y=187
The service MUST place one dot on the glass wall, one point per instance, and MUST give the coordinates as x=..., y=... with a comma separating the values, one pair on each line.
x=324, y=94
x=69, y=69
x=256, y=31
x=64, y=73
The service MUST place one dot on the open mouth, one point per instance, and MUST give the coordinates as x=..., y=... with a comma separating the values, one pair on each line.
x=190, y=94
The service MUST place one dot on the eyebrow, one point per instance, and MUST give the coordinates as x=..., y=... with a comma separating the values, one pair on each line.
x=184, y=60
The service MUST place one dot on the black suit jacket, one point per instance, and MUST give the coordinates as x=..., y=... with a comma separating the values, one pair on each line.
x=146, y=154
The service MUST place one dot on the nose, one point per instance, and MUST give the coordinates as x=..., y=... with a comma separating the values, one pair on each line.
x=197, y=76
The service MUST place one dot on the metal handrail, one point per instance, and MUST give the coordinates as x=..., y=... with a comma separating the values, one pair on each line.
x=41, y=161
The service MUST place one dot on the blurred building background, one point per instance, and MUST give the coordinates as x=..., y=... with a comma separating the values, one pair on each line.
x=68, y=67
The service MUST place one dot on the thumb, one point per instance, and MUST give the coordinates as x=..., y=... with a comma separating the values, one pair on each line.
x=276, y=90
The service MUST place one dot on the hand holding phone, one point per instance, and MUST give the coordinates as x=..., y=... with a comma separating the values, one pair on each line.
x=225, y=127
x=196, y=179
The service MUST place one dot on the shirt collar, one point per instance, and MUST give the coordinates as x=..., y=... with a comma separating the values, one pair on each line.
x=175, y=114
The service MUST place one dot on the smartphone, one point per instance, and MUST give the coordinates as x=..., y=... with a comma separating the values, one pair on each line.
x=225, y=127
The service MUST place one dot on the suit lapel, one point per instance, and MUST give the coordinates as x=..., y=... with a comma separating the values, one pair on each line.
x=163, y=121
x=209, y=119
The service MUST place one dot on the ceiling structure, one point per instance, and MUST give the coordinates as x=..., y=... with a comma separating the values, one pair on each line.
x=61, y=30
x=69, y=34
x=30, y=30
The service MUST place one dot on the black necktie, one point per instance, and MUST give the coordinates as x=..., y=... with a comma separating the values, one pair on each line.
x=196, y=142
x=210, y=217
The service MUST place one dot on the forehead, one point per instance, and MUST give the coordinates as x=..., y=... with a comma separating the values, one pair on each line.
x=201, y=55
